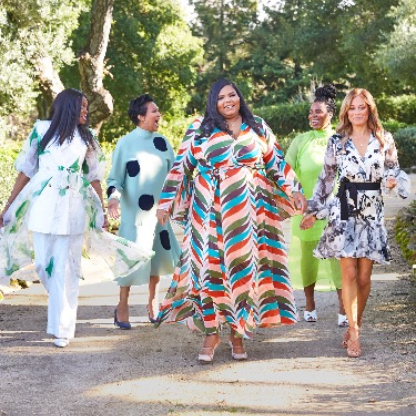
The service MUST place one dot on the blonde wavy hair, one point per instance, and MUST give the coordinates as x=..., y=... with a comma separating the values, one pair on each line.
x=344, y=127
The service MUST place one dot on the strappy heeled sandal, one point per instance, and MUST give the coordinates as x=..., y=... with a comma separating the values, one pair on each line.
x=206, y=355
x=344, y=343
x=238, y=356
x=354, y=346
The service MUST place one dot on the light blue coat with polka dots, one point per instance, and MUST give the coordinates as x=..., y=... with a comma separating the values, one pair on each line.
x=140, y=163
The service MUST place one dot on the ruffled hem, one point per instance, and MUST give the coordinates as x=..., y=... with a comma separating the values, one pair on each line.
x=323, y=253
x=16, y=246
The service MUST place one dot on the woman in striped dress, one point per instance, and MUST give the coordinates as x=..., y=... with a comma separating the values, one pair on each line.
x=230, y=187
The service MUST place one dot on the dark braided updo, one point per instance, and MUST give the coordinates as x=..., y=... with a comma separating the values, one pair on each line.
x=327, y=95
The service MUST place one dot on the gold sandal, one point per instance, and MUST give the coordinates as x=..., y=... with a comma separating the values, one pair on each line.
x=344, y=343
x=354, y=346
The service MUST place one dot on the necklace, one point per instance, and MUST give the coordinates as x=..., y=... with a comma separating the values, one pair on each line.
x=358, y=141
x=235, y=122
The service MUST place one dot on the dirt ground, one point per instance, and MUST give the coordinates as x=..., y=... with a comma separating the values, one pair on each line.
x=292, y=371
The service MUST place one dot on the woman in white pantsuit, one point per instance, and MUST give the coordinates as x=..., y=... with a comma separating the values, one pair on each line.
x=57, y=197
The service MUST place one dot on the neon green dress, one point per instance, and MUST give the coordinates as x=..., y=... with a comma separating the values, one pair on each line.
x=306, y=156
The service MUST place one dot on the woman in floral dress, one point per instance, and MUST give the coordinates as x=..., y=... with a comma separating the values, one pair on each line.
x=363, y=157
x=57, y=202
x=233, y=266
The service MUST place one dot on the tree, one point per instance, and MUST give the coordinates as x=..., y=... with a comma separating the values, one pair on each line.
x=34, y=45
x=151, y=50
x=224, y=26
x=38, y=33
x=91, y=62
x=398, y=55
x=43, y=42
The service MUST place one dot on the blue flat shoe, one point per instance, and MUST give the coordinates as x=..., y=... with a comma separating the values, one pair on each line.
x=151, y=319
x=121, y=325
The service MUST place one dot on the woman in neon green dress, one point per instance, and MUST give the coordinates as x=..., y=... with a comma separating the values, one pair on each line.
x=306, y=156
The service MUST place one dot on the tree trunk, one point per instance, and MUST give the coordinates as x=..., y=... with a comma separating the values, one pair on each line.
x=91, y=63
x=49, y=82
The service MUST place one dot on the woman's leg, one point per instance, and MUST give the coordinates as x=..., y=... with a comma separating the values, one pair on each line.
x=58, y=264
x=365, y=268
x=309, y=270
x=349, y=290
x=153, y=303
x=123, y=304
x=237, y=342
x=310, y=297
x=341, y=309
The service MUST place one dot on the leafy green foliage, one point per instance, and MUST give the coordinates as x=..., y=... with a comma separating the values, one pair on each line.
x=29, y=29
x=8, y=154
x=285, y=118
x=406, y=146
x=405, y=232
x=398, y=54
x=151, y=50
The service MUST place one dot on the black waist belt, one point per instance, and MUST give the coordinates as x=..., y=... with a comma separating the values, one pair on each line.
x=353, y=188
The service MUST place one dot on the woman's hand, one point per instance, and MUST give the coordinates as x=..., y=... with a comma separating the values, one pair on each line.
x=307, y=222
x=106, y=223
x=391, y=182
x=162, y=216
x=113, y=208
x=300, y=201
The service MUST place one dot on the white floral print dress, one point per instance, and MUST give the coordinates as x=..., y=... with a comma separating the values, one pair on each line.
x=60, y=201
x=355, y=216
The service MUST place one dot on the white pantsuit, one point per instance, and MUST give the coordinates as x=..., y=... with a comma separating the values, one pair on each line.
x=62, y=284
x=58, y=215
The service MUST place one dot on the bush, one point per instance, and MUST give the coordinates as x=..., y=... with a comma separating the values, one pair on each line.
x=406, y=146
x=285, y=119
x=8, y=153
x=393, y=126
x=405, y=232
x=401, y=108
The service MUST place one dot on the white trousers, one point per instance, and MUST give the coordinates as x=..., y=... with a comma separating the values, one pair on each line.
x=58, y=264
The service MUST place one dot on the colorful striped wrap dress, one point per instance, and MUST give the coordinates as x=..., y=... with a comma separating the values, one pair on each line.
x=231, y=196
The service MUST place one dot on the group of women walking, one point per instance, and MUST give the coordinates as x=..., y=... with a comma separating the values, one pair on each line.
x=231, y=188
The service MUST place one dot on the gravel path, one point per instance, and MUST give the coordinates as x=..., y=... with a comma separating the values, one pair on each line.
x=293, y=371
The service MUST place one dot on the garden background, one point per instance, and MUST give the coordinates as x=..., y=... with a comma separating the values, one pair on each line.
x=277, y=52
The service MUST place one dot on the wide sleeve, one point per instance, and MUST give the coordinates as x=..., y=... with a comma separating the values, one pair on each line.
x=392, y=168
x=276, y=166
x=323, y=190
x=117, y=176
x=94, y=163
x=292, y=153
x=177, y=188
x=27, y=161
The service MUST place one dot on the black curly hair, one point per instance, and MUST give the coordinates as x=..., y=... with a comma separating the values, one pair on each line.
x=327, y=95
x=138, y=107
x=64, y=116
x=213, y=118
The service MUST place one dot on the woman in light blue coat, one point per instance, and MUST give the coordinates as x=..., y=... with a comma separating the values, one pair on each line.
x=140, y=162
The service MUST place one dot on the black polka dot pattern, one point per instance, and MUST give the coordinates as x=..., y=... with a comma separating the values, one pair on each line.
x=165, y=240
x=160, y=144
x=133, y=168
x=146, y=202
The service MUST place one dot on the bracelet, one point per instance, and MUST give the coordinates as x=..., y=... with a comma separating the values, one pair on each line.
x=8, y=203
